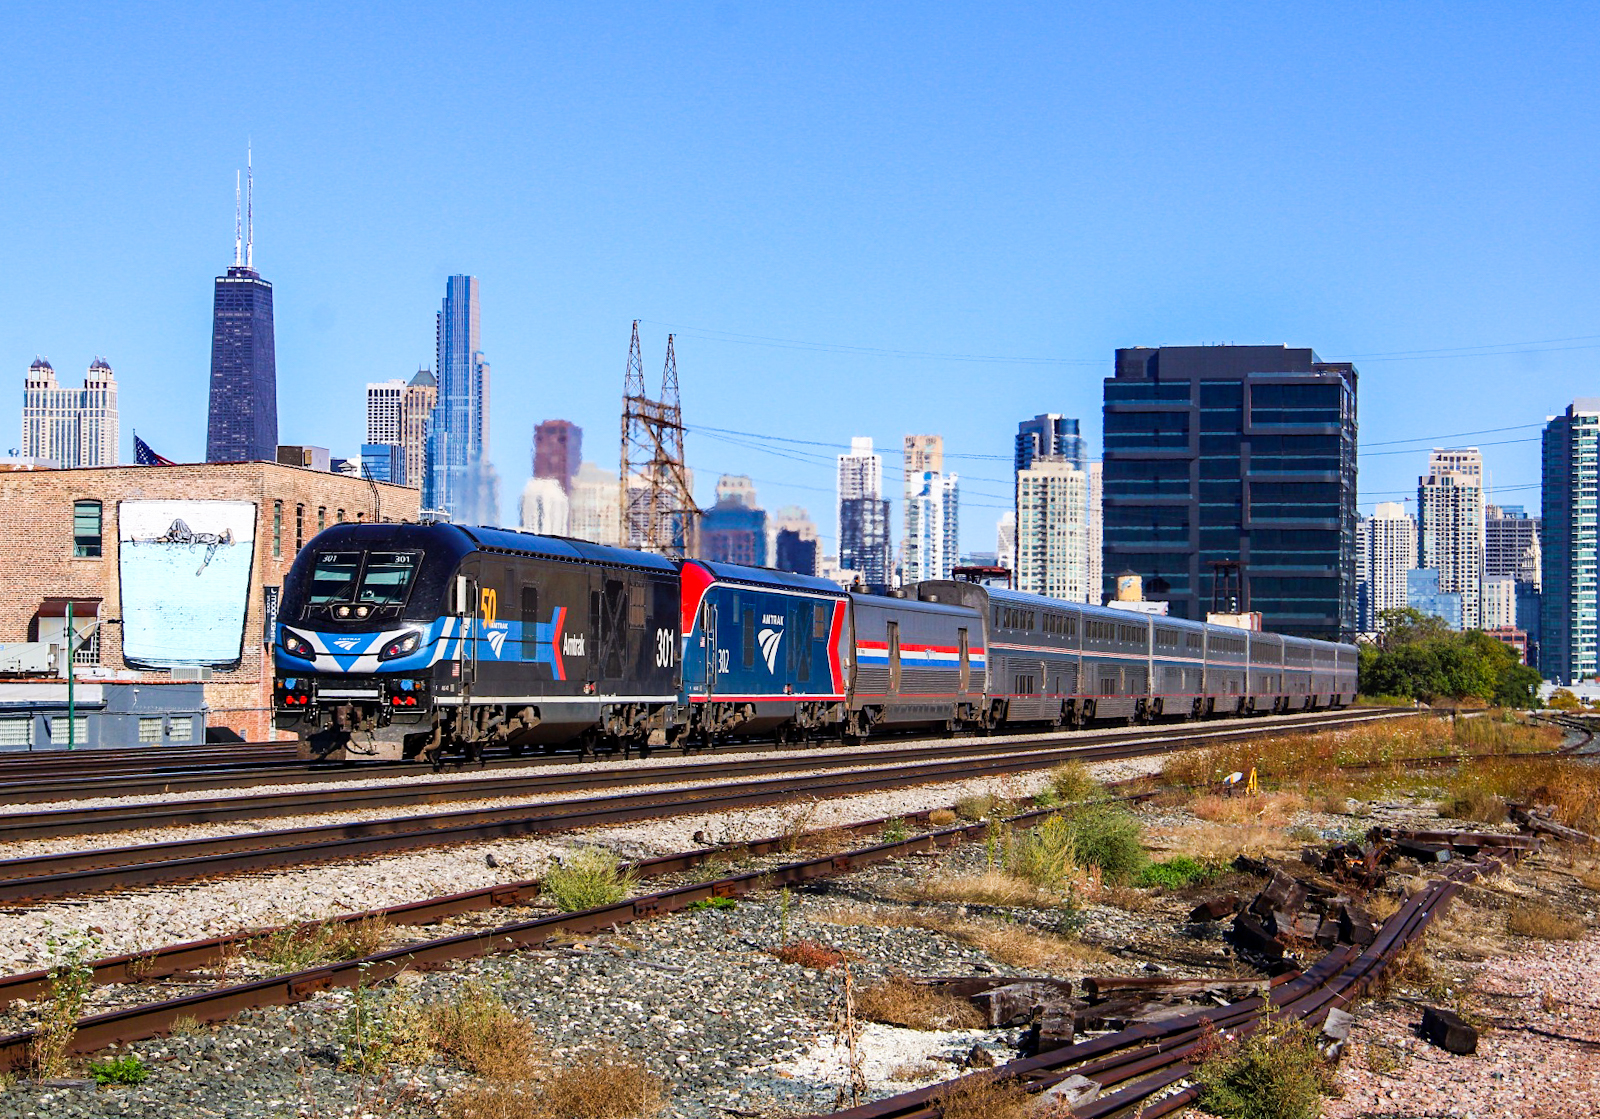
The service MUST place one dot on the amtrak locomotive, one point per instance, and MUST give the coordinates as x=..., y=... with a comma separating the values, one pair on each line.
x=403, y=640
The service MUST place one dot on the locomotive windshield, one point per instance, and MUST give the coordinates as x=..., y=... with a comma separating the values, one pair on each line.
x=379, y=578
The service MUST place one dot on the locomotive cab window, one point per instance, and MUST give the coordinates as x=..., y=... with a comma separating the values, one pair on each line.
x=383, y=580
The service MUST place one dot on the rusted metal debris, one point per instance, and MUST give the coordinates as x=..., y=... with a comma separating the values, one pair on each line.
x=1445, y=1029
x=1539, y=818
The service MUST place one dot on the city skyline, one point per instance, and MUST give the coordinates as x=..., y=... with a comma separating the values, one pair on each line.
x=831, y=271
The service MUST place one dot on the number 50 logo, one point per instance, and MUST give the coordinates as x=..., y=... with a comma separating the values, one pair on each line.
x=488, y=605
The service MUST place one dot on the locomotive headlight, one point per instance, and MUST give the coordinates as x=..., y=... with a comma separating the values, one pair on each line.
x=401, y=646
x=298, y=646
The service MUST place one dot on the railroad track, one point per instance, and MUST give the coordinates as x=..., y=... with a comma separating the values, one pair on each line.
x=71, y=874
x=1145, y=1060
x=51, y=823
x=73, y=784
x=60, y=765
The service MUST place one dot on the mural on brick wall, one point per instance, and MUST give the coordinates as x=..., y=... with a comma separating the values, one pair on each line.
x=185, y=571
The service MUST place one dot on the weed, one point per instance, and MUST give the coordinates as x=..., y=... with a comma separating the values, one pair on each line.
x=991, y=887
x=920, y=1070
x=1270, y=808
x=808, y=953
x=1275, y=1073
x=714, y=903
x=71, y=979
x=1474, y=803
x=897, y=1001
x=982, y=1095
x=186, y=1024
x=127, y=1069
x=482, y=1034
x=1383, y=1059
x=297, y=947
x=783, y=915
x=587, y=879
x=1043, y=855
x=1072, y=784
x=517, y=1100
x=978, y=807
x=894, y=831
x=596, y=1086
x=1008, y=942
x=1180, y=872
x=1107, y=836
x=1544, y=922
x=942, y=818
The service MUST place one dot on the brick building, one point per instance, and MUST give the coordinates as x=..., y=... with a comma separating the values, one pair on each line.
x=171, y=570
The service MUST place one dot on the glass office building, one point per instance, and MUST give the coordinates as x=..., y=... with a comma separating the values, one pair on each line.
x=1569, y=645
x=242, y=424
x=1230, y=455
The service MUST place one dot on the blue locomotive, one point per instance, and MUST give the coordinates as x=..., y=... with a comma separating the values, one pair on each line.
x=401, y=640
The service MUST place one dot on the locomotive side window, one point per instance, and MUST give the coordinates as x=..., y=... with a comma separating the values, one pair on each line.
x=820, y=617
x=530, y=623
x=749, y=635
x=636, y=603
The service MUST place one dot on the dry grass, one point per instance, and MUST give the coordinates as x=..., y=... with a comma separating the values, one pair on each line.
x=1004, y=941
x=899, y=1002
x=1571, y=786
x=1544, y=922
x=976, y=807
x=1128, y=898
x=809, y=953
x=982, y=1095
x=920, y=1070
x=483, y=1035
x=1310, y=762
x=1271, y=809
x=942, y=818
x=596, y=1086
x=991, y=887
x=1224, y=841
x=1474, y=803
x=592, y=1086
x=1071, y=783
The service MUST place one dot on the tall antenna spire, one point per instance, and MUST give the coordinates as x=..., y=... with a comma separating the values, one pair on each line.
x=238, y=237
x=249, y=208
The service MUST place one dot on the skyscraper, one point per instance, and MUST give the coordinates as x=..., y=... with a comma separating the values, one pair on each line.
x=796, y=545
x=417, y=402
x=243, y=418
x=70, y=427
x=1450, y=526
x=1571, y=543
x=1511, y=546
x=1057, y=503
x=461, y=482
x=593, y=512
x=545, y=508
x=1386, y=549
x=864, y=543
x=933, y=527
x=1238, y=454
x=383, y=410
x=557, y=451
x=1050, y=434
x=734, y=530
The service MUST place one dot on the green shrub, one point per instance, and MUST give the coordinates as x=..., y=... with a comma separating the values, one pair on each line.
x=1178, y=872
x=1072, y=784
x=894, y=831
x=714, y=903
x=126, y=1069
x=1107, y=836
x=1276, y=1073
x=587, y=879
x=1042, y=855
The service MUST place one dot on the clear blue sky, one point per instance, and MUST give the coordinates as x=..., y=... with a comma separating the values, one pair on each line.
x=1024, y=182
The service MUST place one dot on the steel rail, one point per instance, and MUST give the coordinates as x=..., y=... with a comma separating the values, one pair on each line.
x=55, y=822
x=117, y=1027
x=68, y=874
x=21, y=792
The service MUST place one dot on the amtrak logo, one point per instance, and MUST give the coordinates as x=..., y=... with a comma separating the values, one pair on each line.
x=347, y=643
x=768, y=640
x=497, y=639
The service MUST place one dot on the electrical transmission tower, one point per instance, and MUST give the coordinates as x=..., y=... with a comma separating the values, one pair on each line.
x=658, y=510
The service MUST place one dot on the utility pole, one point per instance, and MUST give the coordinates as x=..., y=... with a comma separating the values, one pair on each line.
x=72, y=705
x=656, y=500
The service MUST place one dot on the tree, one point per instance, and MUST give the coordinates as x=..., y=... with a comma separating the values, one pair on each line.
x=1419, y=657
x=1563, y=700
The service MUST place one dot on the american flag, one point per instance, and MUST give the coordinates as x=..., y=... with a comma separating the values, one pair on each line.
x=145, y=456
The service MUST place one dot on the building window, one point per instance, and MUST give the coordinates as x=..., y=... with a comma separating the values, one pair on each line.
x=299, y=528
x=180, y=728
x=341, y=516
x=277, y=530
x=58, y=729
x=322, y=517
x=86, y=528
x=149, y=728
x=88, y=650
x=16, y=732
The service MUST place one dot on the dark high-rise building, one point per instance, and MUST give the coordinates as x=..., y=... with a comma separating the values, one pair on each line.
x=461, y=483
x=1236, y=455
x=1050, y=434
x=796, y=553
x=242, y=425
x=558, y=451
x=864, y=545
